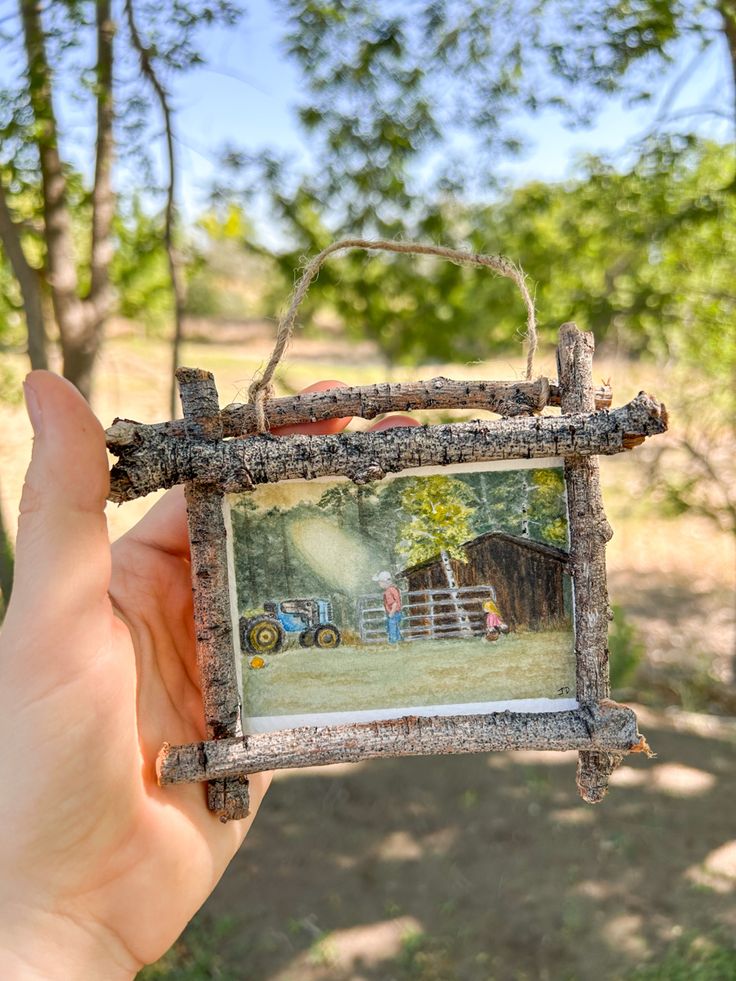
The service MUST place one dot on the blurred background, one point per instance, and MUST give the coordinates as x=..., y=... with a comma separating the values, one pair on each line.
x=165, y=168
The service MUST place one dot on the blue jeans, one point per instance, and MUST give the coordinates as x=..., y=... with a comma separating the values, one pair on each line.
x=393, y=624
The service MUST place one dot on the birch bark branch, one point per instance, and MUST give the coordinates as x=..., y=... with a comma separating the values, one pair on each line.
x=589, y=533
x=506, y=398
x=238, y=465
x=213, y=617
x=605, y=726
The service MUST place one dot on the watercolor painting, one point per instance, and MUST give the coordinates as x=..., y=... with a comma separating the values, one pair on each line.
x=432, y=592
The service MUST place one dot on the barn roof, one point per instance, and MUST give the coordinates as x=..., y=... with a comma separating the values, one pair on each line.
x=549, y=551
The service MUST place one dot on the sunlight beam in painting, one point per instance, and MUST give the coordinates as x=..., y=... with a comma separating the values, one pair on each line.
x=337, y=557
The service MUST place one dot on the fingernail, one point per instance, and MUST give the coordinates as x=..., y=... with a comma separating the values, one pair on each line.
x=33, y=407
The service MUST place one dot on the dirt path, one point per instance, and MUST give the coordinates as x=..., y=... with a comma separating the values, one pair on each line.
x=481, y=868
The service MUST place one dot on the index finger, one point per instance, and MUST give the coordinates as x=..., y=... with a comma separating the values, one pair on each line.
x=324, y=428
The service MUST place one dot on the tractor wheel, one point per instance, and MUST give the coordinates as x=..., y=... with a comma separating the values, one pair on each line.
x=262, y=635
x=306, y=638
x=327, y=636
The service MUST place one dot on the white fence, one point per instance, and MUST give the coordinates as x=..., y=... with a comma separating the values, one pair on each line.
x=428, y=614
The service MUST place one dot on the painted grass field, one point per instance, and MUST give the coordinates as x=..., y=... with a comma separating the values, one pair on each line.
x=432, y=672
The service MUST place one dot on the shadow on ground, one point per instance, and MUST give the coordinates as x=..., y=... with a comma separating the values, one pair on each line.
x=485, y=867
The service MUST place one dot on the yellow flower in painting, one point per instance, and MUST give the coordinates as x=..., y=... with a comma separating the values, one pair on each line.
x=257, y=662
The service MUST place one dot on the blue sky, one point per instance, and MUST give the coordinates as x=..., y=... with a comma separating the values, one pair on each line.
x=247, y=93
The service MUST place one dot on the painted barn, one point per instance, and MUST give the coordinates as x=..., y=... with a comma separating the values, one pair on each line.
x=528, y=577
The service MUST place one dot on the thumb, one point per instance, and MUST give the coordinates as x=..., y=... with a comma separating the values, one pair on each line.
x=62, y=551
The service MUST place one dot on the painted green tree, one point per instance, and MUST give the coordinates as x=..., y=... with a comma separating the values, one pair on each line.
x=547, y=509
x=527, y=503
x=355, y=507
x=440, y=511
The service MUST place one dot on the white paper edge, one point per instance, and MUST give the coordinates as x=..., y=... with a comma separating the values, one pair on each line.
x=272, y=723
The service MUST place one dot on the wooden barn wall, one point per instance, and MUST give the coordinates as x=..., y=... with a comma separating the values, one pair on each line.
x=529, y=585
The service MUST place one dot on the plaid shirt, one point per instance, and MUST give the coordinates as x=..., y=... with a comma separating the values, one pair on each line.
x=391, y=600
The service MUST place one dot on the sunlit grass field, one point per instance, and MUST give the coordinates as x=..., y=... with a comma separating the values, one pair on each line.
x=415, y=673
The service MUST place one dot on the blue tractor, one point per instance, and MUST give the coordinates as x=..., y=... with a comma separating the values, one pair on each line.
x=311, y=619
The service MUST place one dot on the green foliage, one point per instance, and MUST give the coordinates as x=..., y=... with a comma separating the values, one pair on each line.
x=389, y=88
x=11, y=383
x=227, y=276
x=547, y=507
x=527, y=503
x=7, y=564
x=139, y=268
x=626, y=649
x=11, y=320
x=642, y=257
x=693, y=958
x=196, y=956
x=439, y=511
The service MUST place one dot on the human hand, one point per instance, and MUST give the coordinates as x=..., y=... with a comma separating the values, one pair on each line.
x=101, y=868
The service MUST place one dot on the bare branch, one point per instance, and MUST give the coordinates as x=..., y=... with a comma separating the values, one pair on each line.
x=237, y=465
x=62, y=272
x=607, y=727
x=103, y=200
x=145, y=56
x=506, y=398
x=28, y=280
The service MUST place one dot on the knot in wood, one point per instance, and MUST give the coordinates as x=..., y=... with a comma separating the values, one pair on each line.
x=242, y=482
x=367, y=475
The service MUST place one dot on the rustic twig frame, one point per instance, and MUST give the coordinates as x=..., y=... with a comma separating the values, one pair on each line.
x=207, y=452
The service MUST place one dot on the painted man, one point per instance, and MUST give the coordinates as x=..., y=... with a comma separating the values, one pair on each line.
x=392, y=606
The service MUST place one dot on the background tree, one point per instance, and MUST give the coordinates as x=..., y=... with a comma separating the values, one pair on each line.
x=76, y=274
x=6, y=567
x=408, y=110
x=388, y=88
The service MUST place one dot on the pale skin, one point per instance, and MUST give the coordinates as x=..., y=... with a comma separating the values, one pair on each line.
x=100, y=868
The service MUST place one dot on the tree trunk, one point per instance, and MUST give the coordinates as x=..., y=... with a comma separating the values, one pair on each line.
x=364, y=525
x=79, y=354
x=727, y=9
x=29, y=283
x=6, y=566
x=99, y=298
x=285, y=552
x=460, y=613
x=146, y=58
x=80, y=322
x=61, y=268
x=525, y=503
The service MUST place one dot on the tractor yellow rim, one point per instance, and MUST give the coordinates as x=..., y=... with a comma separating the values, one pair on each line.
x=328, y=638
x=263, y=637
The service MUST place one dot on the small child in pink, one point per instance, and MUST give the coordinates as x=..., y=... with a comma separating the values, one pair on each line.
x=494, y=622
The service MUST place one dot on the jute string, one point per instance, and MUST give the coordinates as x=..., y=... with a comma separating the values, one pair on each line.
x=262, y=389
